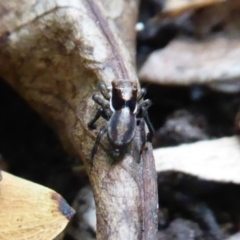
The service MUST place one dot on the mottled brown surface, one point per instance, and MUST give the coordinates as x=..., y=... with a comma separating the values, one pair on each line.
x=53, y=55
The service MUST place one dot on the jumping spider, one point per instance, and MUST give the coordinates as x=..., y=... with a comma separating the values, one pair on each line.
x=124, y=109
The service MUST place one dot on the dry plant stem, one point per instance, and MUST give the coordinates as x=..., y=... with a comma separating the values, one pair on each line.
x=214, y=160
x=53, y=55
x=150, y=193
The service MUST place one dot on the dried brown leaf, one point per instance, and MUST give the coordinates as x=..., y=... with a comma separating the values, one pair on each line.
x=30, y=211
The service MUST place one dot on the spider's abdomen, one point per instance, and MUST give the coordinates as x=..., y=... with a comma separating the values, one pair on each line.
x=121, y=128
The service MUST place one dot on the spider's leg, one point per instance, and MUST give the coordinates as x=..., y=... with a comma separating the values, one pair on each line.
x=100, y=101
x=103, y=111
x=99, y=113
x=98, y=139
x=104, y=90
x=149, y=124
x=143, y=107
x=141, y=94
x=142, y=136
x=104, y=104
x=145, y=104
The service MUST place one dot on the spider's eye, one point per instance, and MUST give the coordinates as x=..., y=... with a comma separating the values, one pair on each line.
x=122, y=98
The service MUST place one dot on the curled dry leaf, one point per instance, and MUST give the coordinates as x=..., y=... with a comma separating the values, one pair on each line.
x=214, y=160
x=179, y=6
x=30, y=211
x=53, y=53
x=185, y=61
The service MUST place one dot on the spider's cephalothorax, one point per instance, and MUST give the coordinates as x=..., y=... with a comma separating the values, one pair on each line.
x=123, y=108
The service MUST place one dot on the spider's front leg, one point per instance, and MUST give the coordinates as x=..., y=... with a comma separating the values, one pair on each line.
x=143, y=107
x=100, y=101
x=99, y=113
x=103, y=111
x=141, y=125
x=104, y=90
x=142, y=94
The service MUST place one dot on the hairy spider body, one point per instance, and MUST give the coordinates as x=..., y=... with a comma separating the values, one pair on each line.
x=121, y=107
